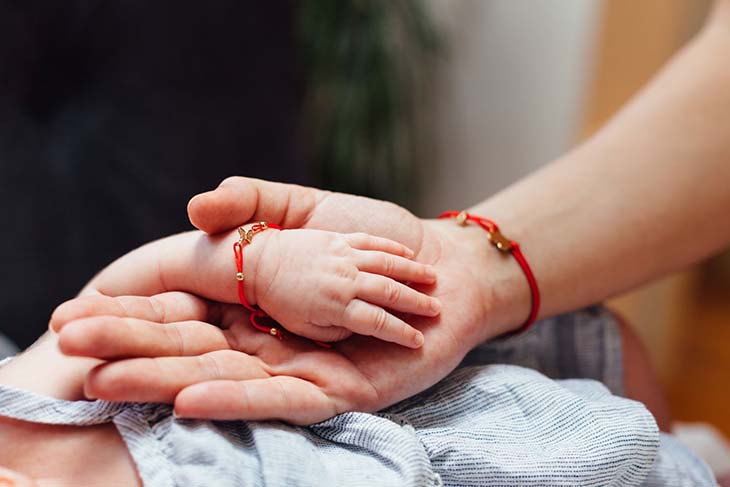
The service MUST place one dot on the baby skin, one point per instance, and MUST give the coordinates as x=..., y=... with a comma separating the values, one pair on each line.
x=317, y=284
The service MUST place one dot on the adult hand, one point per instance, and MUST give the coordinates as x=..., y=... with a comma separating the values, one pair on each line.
x=357, y=374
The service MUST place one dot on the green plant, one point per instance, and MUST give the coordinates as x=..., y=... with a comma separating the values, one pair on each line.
x=366, y=63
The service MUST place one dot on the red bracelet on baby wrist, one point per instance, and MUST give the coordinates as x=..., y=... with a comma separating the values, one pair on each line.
x=245, y=237
x=503, y=244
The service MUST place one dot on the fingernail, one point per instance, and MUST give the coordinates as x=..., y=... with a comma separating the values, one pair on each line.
x=418, y=339
x=435, y=305
x=410, y=253
x=431, y=272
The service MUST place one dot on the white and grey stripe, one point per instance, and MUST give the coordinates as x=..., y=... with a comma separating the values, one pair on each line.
x=486, y=425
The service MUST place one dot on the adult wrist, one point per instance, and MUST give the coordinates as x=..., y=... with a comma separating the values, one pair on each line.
x=504, y=290
x=505, y=298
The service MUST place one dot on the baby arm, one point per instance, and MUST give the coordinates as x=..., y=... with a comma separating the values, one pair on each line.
x=322, y=285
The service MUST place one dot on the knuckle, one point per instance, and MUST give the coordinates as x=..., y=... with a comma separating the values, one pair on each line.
x=230, y=180
x=334, y=300
x=332, y=294
x=158, y=309
x=343, y=287
x=345, y=269
x=406, y=332
x=176, y=339
x=423, y=302
x=285, y=398
x=389, y=265
x=339, y=247
x=380, y=320
x=425, y=272
x=245, y=399
x=345, y=313
x=210, y=366
x=392, y=292
x=125, y=305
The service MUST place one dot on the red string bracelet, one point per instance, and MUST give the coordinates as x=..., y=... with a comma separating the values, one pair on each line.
x=245, y=238
x=504, y=244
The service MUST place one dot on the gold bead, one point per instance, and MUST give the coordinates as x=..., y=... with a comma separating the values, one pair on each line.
x=461, y=218
x=274, y=331
x=239, y=276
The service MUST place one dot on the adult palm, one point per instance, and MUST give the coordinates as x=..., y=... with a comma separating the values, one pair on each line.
x=233, y=372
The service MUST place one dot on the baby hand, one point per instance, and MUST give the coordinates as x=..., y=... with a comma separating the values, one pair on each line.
x=326, y=286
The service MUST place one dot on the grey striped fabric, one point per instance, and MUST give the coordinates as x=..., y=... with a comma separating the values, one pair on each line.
x=486, y=425
x=7, y=348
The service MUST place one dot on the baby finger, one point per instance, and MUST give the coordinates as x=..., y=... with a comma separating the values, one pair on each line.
x=393, y=266
x=394, y=295
x=367, y=319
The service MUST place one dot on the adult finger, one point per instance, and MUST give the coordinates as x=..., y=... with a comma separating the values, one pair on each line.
x=393, y=266
x=386, y=292
x=364, y=241
x=161, y=379
x=238, y=200
x=367, y=319
x=285, y=398
x=161, y=308
x=113, y=337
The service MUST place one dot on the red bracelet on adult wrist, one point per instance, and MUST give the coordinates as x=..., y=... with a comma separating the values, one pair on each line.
x=505, y=245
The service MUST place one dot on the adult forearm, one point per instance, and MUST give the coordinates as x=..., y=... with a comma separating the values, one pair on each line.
x=648, y=194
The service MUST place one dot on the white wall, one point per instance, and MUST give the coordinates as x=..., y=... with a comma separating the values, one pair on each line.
x=508, y=97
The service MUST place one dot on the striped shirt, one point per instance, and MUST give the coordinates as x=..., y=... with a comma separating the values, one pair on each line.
x=486, y=424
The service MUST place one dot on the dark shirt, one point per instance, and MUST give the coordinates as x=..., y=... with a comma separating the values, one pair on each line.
x=113, y=114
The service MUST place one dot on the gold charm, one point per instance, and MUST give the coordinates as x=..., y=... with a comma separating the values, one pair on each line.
x=245, y=236
x=500, y=241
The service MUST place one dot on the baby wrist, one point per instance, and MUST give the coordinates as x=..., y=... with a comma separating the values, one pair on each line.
x=248, y=273
x=245, y=239
x=253, y=270
x=248, y=288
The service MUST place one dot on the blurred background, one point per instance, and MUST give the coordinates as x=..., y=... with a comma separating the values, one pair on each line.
x=114, y=114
